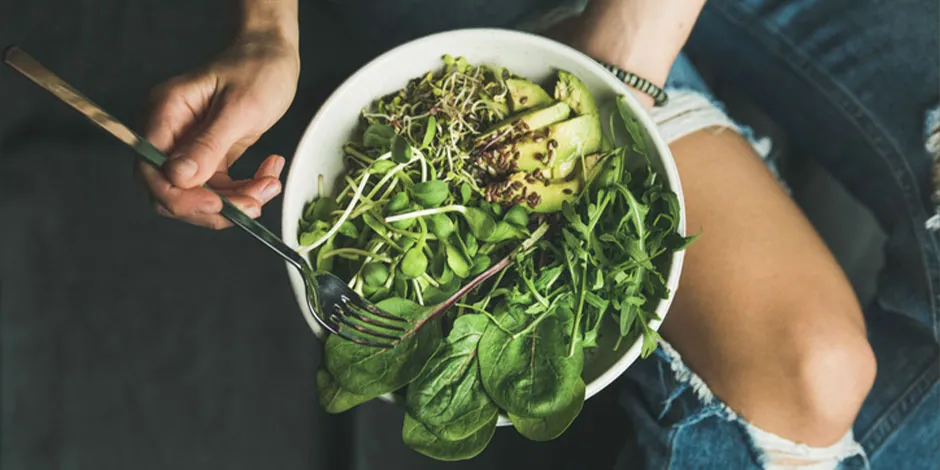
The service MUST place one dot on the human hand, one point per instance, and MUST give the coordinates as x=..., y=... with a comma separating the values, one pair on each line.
x=204, y=121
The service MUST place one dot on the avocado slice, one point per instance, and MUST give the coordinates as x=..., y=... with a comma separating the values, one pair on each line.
x=531, y=120
x=571, y=90
x=555, y=149
x=524, y=95
x=539, y=195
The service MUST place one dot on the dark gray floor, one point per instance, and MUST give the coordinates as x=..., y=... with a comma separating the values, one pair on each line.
x=128, y=341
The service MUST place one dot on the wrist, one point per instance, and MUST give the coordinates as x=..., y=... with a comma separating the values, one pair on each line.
x=272, y=22
x=643, y=37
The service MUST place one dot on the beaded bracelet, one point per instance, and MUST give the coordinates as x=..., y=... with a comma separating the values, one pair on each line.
x=631, y=79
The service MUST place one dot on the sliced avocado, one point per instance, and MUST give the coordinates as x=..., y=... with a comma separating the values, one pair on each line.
x=538, y=195
x=532, y=119
x=524, y=95
x=571, y=90
x=557, y=148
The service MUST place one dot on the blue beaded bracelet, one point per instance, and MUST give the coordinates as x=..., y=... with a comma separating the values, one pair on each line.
x=635, y=81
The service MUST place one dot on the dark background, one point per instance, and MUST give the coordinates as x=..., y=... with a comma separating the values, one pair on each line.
x=130, y=341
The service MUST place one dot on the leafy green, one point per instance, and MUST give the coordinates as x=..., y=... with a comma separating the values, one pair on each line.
x=529, y=372
x=430, y=193
x=420, y=438
x=335, y=399
x=448, y=395
x=554, y=425
x=366, y=370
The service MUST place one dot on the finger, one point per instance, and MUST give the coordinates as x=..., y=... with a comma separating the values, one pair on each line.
x=206, y=153
x=179, y=202
x=271, y=166
x=173, y=112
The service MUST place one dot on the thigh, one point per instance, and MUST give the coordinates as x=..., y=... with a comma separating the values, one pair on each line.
x=851, y=82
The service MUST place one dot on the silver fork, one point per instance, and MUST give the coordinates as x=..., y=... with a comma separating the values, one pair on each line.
x=347, y=313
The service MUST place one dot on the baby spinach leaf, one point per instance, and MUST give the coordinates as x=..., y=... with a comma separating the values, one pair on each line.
x=530, y=373
x=465, y=193
x=554, y=425
x=448, y=395
x=333, y=398
x=430, y=193
x=420, y=438
x=371, y=371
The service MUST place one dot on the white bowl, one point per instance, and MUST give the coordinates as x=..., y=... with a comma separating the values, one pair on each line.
x=531, y=56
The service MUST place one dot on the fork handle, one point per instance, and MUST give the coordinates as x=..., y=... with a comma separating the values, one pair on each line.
x=32, y=69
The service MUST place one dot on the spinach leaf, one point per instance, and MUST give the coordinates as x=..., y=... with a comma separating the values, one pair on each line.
x=529, y=373
x=448, y=395
x=366, y=370
x=420, y=438
x=336, y=399
x=552, y=426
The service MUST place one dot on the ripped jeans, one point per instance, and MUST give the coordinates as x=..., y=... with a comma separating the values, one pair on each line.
x=854, y=83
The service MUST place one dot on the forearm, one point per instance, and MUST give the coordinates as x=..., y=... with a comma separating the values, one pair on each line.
x=269, y=19
x=641, y=36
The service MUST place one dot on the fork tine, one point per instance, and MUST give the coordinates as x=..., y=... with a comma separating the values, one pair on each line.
x=373, y=310
x=356, y=312
x=356, y=340
x=361, y=329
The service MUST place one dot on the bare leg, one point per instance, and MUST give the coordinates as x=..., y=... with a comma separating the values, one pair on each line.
x=763, y=312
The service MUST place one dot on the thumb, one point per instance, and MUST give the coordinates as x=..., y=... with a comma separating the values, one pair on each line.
x=202, y=156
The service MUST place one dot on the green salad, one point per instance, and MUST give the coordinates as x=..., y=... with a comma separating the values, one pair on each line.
x=472, y=176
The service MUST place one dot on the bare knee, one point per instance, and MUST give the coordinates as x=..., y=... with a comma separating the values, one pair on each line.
x=834, y=370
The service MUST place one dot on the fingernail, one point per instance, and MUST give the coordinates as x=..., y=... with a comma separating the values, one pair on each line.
x=183, y=168
x=270, y=190
x=279, y=167
x=252, y=211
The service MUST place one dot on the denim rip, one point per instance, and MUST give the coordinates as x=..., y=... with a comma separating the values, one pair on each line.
x=932, y=144
x=773, y=452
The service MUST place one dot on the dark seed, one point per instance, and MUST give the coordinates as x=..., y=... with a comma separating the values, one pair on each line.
x=530, y=179
x=525, y=190
x=568, y=191
x=523, y=99
x=516, y=155
x=516, y=184
x=539, y=156
x=525, y=125
x=513, y=165
x=552, y=143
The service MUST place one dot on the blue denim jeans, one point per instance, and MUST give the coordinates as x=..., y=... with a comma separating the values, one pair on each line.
x=844, y=81
x=851, y=82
